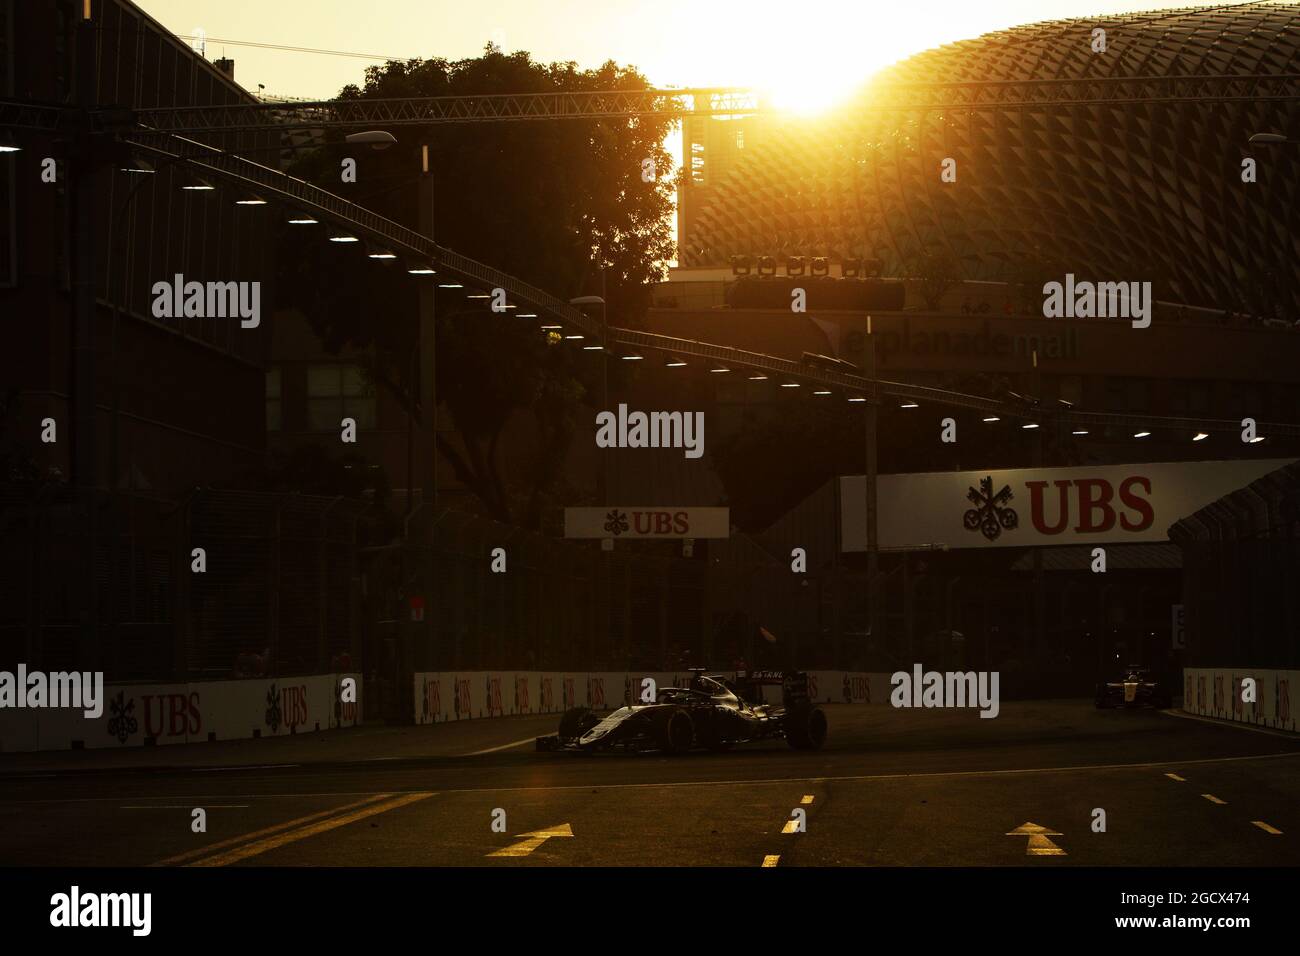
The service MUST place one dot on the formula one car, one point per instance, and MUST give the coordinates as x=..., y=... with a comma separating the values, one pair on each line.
x=1137, y=687
x=711, y=714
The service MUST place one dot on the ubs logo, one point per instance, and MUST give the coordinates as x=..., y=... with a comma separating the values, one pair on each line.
x=432, y=698
x=122, y=723
x=990, y=514
x=287, y=707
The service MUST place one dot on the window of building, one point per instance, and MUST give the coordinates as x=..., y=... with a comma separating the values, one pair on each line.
x=274, y=401
x=336, y=392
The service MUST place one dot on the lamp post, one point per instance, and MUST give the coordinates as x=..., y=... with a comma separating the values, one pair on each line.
x=603, y=489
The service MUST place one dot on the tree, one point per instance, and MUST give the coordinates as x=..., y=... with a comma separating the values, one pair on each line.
x=938, y=271
x=553, y=203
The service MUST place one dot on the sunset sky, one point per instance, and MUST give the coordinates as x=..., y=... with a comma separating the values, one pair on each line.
x=807, y=55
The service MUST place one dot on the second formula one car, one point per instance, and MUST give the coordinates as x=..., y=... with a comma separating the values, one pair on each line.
x=1135, y=687
x=711, y=714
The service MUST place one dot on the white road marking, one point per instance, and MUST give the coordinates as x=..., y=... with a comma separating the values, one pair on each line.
x=492, y=750
x=190, y=806
x=786, y=781
x=260, y=766
x=1213, y=799
x=1174, y=776
x=1266, y=828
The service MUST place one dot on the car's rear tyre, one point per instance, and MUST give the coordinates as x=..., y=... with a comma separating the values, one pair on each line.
x=674, y=731
x=577, y=721
x=805, y=728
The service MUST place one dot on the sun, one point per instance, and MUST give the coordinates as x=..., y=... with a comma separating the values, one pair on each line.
x=804, y=61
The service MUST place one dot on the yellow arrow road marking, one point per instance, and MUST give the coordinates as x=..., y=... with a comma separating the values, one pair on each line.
x=1039, y=844
x=1266, y=828
x=533, y=840
x=293, y=836
x=771, y=860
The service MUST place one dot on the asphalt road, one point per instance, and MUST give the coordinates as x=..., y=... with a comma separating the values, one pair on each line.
x=892, y=787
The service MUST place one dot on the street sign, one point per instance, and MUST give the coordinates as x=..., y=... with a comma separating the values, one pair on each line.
x=1180, y=636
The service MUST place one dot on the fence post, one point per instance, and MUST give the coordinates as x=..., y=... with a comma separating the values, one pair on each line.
x=273, y=608
x=323, y=591
x=182, y=609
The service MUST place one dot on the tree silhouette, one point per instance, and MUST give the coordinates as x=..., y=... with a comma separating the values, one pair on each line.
x=553, y=203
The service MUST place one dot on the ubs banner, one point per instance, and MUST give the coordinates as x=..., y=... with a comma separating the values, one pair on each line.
x=632, y=522
x=1040, y=506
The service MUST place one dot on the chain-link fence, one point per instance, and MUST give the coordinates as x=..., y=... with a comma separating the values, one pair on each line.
x=234, y=583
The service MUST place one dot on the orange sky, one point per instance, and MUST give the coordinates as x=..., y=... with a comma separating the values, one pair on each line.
x=806, y=59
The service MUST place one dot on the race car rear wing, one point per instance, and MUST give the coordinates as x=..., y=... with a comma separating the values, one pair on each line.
x=793, y=684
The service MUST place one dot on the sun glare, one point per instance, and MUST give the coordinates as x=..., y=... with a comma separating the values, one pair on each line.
x=805, y=64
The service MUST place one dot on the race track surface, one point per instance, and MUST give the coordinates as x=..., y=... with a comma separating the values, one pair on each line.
x=891, y=788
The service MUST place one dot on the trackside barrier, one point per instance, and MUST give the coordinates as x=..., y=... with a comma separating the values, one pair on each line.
x=1217, y=692
x=441, y=696
x=140, y=714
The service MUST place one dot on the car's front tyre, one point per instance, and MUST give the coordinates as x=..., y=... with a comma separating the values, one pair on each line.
x=806, y=728
x=673, y=730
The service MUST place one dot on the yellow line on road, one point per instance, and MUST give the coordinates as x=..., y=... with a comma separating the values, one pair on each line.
x=288, y=824
x=1266, y=828
x=807, y=799
x=1213, y=799
x=1174, y=776
x=292, y=836
x=771, y=860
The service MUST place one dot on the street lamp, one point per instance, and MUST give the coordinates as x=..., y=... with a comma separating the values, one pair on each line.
x=376, y=139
